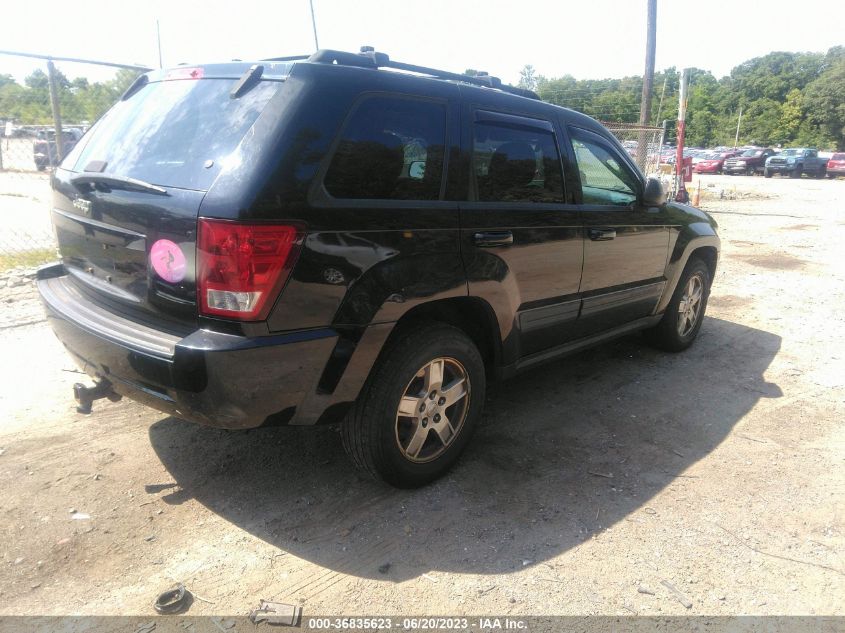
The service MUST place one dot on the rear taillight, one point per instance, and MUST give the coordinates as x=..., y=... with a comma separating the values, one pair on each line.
x=242, y=267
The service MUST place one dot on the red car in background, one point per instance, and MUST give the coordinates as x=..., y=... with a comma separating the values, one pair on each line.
x=836, y=165
x=713, y=163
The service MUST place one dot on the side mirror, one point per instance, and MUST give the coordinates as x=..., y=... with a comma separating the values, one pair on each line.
x=654, y=194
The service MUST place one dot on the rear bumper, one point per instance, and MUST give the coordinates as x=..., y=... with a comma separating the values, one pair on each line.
x=212, y=378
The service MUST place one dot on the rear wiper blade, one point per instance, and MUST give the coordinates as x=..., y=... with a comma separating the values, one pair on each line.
x=118, y=182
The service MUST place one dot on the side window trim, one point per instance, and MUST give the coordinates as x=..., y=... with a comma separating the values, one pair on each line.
x=320, y=195
x=515, y=121
x=621, y=157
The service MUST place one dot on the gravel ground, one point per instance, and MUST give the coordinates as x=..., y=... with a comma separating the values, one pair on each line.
x=619, y=481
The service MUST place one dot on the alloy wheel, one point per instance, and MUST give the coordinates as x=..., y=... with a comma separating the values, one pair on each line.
x=689, y=307
x=432, y=410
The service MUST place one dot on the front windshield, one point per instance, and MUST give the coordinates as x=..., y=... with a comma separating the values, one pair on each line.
x=752, y=152
x=793, y=152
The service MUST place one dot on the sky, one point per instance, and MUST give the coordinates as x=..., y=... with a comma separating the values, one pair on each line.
x=589, y=40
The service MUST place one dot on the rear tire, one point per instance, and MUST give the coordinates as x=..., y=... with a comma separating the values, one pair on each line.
x=682, y=319
x=405, y=427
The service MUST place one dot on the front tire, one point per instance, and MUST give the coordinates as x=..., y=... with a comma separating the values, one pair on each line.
x=795, y=173
x=767, y=173
x=419, y=407
x=682, y=319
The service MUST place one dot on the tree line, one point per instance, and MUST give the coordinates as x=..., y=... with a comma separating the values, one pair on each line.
x=80, y=101
x=785, y=98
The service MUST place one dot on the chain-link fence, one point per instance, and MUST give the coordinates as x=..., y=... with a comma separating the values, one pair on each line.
x=642, y=143
x=42, y=116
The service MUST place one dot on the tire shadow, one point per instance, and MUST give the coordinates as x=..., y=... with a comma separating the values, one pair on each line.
x=564, y=452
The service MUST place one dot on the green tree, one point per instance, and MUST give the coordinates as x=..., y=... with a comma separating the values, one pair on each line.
x=527, y=77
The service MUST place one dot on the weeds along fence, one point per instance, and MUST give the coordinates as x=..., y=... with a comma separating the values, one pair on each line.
x=42, y=116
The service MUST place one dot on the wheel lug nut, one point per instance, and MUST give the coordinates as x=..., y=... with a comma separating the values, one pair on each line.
x=422, y=408
x=442, y=401
x=432, y=395
x=425, y=422
x=437, y=417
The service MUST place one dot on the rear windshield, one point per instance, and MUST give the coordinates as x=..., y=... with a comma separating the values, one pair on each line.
x=167, y=132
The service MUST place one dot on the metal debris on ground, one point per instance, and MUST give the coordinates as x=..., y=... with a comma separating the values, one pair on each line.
x=276, y=613
x=174, y=600
x=678, y=595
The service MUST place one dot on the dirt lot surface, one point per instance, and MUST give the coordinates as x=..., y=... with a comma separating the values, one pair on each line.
x=594, y=485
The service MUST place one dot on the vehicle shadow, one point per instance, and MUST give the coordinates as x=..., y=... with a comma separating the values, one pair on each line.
x=564, y=452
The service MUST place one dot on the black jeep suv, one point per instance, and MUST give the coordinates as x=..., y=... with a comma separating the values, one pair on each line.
x=336, y=239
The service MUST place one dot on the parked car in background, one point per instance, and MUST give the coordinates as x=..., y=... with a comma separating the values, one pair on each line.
x=713, y=163
x=796, y=161
x=749, y=162
x=385, y=243
x=44, y=148
x=836, y=165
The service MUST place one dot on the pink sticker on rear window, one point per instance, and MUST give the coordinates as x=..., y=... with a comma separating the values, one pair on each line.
x=168, y=261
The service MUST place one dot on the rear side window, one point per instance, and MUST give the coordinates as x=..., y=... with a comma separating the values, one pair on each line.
x=838, y=157
x=515, y=164
x=605, y=179
x=390, y=149
x=173, y=133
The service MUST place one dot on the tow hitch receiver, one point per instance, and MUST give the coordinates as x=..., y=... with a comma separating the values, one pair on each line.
x=85, y=396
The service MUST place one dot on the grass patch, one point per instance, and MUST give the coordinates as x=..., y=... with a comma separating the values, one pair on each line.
x=27, y=259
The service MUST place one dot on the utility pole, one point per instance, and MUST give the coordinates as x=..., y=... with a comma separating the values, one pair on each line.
x=662, y=94
x=314, y=25
x=648, y=80
x=738, y=123
x=158, y=39
x=57, y=113
x=682, y=195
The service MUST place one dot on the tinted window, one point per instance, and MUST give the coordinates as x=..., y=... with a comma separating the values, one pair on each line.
x=516, y=165
x=165, y=133
x=604, y=177
x=391, y=148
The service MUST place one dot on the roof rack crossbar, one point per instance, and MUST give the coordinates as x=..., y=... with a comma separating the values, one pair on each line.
x=369, y=58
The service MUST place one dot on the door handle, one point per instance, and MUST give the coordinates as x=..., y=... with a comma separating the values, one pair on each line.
x=493, y=238
x=601, y=235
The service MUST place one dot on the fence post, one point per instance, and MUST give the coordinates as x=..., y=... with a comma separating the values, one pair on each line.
x=57, y=114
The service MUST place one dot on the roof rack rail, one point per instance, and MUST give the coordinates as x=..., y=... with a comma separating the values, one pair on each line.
x=289, y=58
x=369, y=58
